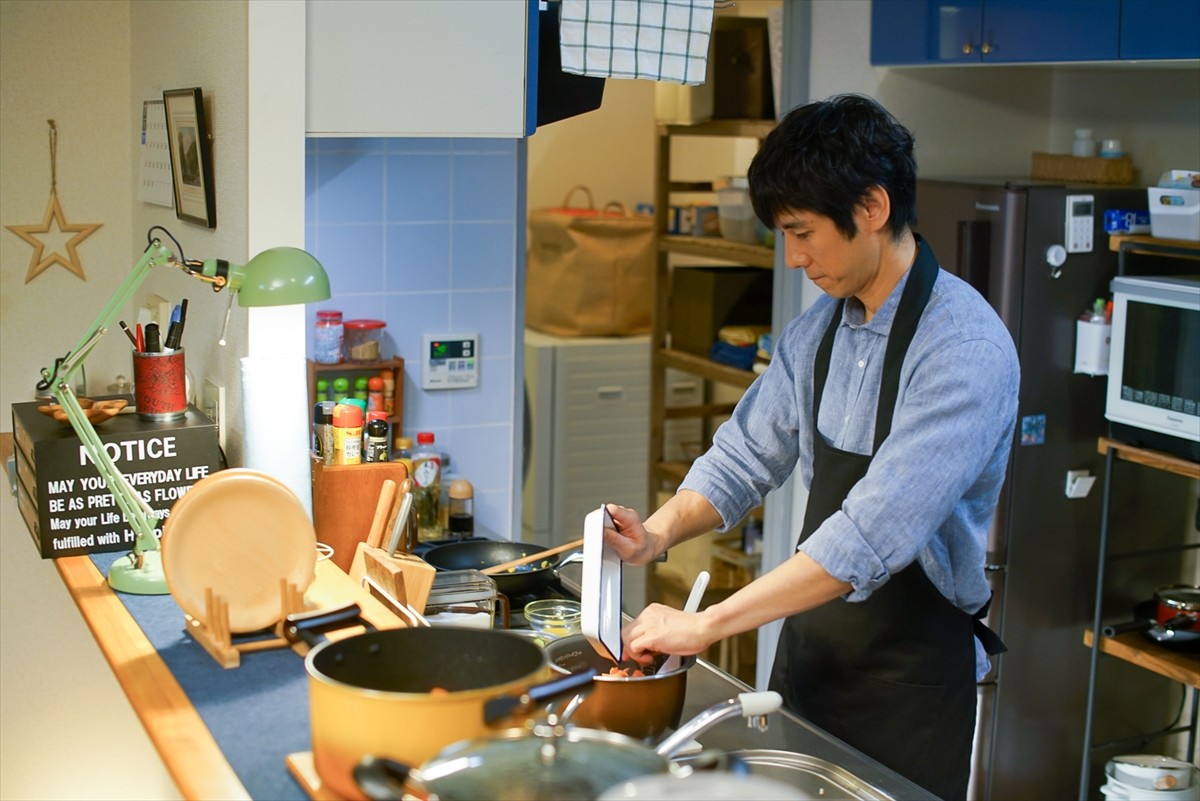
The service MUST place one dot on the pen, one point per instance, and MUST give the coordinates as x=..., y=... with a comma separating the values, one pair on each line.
x=139, y=340
x=129, y=333
x=182, y=318
x=172, y=341
x=151, y=338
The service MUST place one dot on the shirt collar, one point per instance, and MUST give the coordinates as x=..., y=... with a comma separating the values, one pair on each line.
x=854, y=313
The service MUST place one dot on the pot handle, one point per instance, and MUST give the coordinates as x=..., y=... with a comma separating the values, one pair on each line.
x=1120, y=628
x=381, y=779
x=310, y=627
x=501, y=707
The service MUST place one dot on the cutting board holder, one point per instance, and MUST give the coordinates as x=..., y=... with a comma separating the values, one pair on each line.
x=404, y=576
x=214, y=635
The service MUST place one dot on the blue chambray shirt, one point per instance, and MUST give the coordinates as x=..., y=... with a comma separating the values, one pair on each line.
x=931, y=489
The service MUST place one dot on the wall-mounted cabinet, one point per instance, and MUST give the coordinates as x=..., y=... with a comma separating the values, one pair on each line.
x=927, y=32
x=419, y=68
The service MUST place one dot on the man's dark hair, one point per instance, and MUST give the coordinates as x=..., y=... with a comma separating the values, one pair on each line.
x=822, y=157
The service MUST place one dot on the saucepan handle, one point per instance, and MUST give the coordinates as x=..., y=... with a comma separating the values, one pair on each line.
x=310, y=627
x=577, y=683
x=381, y=779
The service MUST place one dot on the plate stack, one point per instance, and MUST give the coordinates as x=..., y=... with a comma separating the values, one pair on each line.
x=1150, y=777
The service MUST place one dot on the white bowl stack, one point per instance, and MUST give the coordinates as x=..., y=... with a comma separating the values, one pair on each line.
x=1149, y=777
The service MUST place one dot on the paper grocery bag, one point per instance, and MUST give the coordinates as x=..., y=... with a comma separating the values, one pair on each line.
x=589, y=272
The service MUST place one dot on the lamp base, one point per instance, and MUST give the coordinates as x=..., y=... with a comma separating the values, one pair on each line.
x=149, y=580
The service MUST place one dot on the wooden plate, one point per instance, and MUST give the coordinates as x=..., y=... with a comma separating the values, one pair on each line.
x=239, y=532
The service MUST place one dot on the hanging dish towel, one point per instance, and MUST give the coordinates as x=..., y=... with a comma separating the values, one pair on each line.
x=659, y=40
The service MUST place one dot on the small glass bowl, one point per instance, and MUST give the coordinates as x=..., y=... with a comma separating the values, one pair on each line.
x=554, y=617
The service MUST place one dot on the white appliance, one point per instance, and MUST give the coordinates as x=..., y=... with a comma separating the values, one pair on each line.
x=587, y=431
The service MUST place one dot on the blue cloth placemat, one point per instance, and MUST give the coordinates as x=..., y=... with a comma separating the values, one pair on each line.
x=257, y=712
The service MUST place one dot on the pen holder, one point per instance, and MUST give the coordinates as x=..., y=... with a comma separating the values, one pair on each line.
x=160, y=386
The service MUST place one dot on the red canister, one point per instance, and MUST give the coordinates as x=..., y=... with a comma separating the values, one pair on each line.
x=1175, y=604
x=160, y=385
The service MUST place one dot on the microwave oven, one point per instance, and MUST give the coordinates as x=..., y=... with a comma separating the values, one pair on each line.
x=1154, y=363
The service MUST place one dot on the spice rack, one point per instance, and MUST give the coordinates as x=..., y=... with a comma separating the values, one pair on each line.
x=352, y=370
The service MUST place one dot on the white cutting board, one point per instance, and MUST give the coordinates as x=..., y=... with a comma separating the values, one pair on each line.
x=601, y=587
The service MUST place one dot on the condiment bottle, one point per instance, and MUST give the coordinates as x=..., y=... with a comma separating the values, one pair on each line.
x=375, y=438
x=375, y=394
x=341, y=388
x=462, y=509
x=323, y=389
x=327, y=338
x=347, y=434
x=360, y=387
x=323, y=431
x=427, y=486
x=403, y=453
x=389, y=392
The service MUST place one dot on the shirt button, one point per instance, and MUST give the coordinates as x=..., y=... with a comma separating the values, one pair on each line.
x=846, y=419
x=862, y=363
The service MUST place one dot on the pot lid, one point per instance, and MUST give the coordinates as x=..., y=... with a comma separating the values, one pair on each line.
x=518, y=766
x=601, y=587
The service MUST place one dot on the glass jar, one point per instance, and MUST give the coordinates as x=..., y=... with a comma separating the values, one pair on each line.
x=327, y=339
x=364, y=340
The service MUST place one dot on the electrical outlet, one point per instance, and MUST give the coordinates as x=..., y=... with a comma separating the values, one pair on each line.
x=155, y=309
x=214, y=407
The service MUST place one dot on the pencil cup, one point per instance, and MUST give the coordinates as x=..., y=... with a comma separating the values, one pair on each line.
x=160, y=386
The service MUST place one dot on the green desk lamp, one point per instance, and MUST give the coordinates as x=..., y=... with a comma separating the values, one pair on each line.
x=276, y=277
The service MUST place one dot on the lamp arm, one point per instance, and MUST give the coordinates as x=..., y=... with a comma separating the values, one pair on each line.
x=138, y=514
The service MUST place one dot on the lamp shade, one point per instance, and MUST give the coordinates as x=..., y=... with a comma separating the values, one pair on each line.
x=279, y=277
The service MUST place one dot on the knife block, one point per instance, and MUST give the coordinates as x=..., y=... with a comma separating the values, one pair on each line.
x=405, y=577
x=344, y=500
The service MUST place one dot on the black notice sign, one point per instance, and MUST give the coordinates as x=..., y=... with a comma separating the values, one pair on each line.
x=64, y=500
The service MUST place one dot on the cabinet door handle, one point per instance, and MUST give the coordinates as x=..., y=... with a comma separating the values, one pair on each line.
x=968, y=49
x=610, y=393
x=987, y=48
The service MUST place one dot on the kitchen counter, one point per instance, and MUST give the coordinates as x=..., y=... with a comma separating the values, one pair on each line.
x=225, y=733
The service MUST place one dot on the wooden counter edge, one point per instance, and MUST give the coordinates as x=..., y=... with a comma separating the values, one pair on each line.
x=188, y=749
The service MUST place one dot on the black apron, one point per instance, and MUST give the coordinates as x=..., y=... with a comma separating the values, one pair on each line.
x=894, y=675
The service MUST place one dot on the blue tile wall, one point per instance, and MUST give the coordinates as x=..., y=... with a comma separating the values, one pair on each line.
x=424, y=234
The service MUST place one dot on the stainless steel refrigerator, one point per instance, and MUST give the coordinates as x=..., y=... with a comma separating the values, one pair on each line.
x=1024, y=246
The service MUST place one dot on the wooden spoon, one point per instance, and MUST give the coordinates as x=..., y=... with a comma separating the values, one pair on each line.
x=504, y=567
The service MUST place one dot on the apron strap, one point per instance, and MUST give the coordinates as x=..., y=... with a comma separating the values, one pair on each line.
x=990, y=640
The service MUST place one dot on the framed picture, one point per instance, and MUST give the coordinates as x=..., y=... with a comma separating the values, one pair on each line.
x=191, y=157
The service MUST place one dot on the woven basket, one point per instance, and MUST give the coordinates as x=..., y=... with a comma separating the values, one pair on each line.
x=1056, y=167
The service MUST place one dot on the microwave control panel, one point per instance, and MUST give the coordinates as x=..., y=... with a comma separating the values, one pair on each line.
x=1081, y=223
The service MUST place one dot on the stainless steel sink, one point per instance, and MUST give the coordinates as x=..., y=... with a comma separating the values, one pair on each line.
x=814, y=777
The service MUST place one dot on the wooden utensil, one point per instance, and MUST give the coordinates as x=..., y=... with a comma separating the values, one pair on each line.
x=387, y=497
x=504, y=567
x=396, y=542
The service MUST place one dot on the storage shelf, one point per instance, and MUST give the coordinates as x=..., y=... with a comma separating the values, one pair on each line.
x=714, y=247
x=1151, y=244
x=1134, y=647
x=706, y=368
x=753, y=129
x=1155, y=459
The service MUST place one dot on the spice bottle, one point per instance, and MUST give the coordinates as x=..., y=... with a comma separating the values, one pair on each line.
x=389, y=392
x=341, y=388
x=323, y=431
x=462, y=509
x=360, y=387
x=375, y=438
x=327, y=338
x=375, y=394
x=323, y=389
x=427, y=489
x=347, y=434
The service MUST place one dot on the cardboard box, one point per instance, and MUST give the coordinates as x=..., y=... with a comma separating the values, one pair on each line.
x=705, y=299
x=64, y=501
x=741, y=69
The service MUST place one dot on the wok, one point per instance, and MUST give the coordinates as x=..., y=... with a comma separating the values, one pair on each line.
x=480, y=554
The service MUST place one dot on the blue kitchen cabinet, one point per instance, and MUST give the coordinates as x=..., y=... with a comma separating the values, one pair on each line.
x=925, y=32
x=1158, y=29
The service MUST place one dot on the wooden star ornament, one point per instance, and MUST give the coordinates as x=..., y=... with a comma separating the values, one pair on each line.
x=54, y=215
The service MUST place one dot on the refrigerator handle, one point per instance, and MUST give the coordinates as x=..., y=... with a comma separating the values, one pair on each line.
x=974, y=253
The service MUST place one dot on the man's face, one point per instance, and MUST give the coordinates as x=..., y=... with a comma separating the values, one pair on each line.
x=840, y=267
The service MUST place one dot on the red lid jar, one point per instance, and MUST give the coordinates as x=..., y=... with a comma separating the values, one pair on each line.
x=364, y=340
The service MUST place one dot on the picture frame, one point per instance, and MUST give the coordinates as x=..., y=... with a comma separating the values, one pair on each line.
x=191, y=156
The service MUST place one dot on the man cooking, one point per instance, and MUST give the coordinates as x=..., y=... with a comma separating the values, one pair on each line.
x=895, y=396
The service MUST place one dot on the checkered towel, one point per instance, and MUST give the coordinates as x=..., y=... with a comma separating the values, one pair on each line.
x=659, y=40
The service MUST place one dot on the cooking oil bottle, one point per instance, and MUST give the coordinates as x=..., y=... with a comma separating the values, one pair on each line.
x=427, y=489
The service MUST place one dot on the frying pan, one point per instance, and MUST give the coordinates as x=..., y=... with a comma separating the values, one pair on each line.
x=479, y=554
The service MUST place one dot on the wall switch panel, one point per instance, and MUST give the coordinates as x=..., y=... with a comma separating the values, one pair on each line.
x=450, y=361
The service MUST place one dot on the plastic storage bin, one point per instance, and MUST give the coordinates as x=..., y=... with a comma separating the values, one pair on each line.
x=1175, y=213
x=735, y=214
